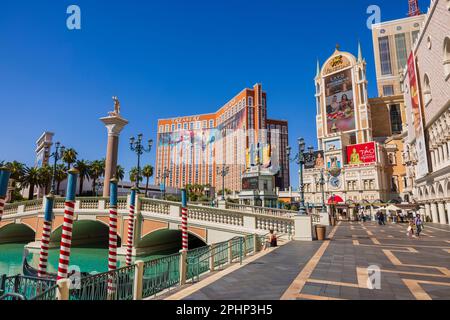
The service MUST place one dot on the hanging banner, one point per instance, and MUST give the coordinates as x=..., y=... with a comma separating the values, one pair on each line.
x=422, y=165
x=361, y=153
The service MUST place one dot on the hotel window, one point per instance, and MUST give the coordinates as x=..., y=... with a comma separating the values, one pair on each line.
x=263, y=102
x=447, y=56
x=167, y=128
x=211, y=124
x=173, y=128
x=179, y=127
x=185, y=126
x=205, y=124
x=191, y=126
x=385, y=56
x=426, y=89
x=396, y=119
x=388, y=90
x=402, y=54
x=197, y=125
x=250, y=101
x=161, y=128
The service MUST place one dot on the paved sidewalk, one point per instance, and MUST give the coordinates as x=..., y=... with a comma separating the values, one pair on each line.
x=338, y=269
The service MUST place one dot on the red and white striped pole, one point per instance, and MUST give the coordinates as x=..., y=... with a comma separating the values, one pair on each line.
x=131, y=224
x=184, y=221
x=112, y=256
x=4, y=179
x=46, y=232
x=66, y=237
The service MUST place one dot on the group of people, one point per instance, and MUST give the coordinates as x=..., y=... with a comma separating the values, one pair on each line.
x=415, y=227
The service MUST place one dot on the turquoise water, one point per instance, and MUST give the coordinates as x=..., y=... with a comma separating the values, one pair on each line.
x=88, y=259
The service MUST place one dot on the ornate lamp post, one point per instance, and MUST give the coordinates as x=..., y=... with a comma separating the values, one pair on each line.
x=57, y=155
x=223, y=173
x=322, y=184
x=165, y=174
x=300, y=160
x=137, y=147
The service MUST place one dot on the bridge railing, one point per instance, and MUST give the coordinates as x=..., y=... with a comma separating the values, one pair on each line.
x=160, y=274
x=260, y=210
x=27, y=287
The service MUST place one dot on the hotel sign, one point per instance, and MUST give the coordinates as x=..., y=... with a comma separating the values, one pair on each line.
x=361, y=153
x=336, y=63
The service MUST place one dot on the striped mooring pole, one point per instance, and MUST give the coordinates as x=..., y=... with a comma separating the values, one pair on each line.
x=66, y=237
x=46, y=232
x=4, y=179
x=184, y=221
x=131, y=224
x=112, y=255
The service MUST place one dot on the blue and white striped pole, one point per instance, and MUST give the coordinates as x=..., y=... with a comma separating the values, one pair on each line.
x=66, y=237
x=5, y=174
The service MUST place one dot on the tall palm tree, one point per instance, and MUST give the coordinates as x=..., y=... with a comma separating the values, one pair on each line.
x=69, y=156
x=17, y=170
x=60, y=176
x=45, y=177
x=147, y=172
x=30, y=179
x=96, y=171
x=120, y=173
x=83, y=167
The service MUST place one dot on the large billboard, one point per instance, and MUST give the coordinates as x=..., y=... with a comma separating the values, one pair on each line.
x=340, y=106
x=361, y=153
x=250, y=183
x=422, y=165
x=315, y=162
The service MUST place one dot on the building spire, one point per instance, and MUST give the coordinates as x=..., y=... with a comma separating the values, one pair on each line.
x=414, y=9
x=318, y=69
x=360, y=56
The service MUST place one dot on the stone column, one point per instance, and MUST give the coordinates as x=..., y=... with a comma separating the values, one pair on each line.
x=448, y=211
x=428, y=210
x=114, y=125
x=434, y=212
x=441, y=210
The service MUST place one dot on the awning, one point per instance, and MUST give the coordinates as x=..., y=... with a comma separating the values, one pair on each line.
x=335, y=200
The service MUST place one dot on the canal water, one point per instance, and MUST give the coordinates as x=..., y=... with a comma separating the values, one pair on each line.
x=87, y=259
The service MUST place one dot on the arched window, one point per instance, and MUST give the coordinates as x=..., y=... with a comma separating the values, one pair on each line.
x=426, y=89
x=447, y=58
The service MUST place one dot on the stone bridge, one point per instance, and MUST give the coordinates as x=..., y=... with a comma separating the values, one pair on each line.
x=158, y=223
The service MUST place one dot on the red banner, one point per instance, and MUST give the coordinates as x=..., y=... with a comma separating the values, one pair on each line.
x=361, y=153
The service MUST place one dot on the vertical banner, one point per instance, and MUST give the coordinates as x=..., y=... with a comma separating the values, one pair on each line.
x=4, y=179
x=184, y=220
x=112, y=254
x=46, y=232
x=131, y=218
x=422, y=165
x=66, y=236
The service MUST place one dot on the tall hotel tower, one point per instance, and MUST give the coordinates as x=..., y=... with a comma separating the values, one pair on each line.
x=192, y=149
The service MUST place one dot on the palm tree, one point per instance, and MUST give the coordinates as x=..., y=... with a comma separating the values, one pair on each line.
x=133, y=174
x=120, y=173
x=31, y=179
x=69, y=157
x=60, y=176
x=147, y=172
x=45, y=177
x=83, y=167
x=17, y=170
x=96, y=171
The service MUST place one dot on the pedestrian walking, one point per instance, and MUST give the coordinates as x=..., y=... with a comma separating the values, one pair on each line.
x=410, y=230
x=419, y=225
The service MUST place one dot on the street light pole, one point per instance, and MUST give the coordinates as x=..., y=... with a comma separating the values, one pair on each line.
x=137, y=147
x=57, y=155
x=322, y=184
x=300, y=160
x=166, y=173
x=223, y=173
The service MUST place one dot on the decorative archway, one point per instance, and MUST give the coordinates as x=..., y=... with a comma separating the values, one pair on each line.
x=168, y=240
x=16, y=233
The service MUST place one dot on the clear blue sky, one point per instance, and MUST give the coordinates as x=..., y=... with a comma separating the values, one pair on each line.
x=164, y=59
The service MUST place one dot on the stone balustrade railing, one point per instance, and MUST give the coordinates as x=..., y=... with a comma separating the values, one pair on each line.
x=261, y=210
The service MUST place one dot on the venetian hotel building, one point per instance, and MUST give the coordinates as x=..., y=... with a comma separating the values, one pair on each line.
x=190, y=149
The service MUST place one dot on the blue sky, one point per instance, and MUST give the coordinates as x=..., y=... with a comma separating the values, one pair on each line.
x=164, y=59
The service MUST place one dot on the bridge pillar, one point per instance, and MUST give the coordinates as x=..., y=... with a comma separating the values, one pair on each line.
x=303, y=228
x=138, y=280
x=211, y=258
x=183, y=267
x=63, y=291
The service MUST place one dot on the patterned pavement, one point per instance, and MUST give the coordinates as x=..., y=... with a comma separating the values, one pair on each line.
x=409, y=268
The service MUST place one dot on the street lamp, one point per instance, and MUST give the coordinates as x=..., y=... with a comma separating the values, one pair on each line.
x=57, y=155
x=223, y=173
x=322, y=184
x=98, y=185
x=300, y=160
x=137, y=147
x=166, y=174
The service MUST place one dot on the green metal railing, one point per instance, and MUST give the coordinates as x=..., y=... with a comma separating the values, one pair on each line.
x=48, y=295
x=27, y=287
x=160, y=274
x=95, y=287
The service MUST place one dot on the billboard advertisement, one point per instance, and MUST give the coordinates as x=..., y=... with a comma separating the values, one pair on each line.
x=422, y=165
x=340, y=106
x=315, y=162
x=361, y=153
x=250, y=183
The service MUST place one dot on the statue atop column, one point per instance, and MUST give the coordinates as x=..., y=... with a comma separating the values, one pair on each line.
x=116, y=112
